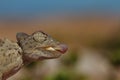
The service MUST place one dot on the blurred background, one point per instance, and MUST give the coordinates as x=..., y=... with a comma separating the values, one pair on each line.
x=90, y=28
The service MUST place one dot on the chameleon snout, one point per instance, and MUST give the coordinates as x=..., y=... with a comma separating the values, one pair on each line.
x=62, y=48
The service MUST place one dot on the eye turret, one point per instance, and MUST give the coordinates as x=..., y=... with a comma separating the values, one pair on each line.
x=39, y=36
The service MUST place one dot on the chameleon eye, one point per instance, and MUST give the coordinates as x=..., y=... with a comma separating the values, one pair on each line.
x=39, y=37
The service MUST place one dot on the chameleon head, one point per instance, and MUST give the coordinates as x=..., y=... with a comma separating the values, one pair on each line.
x=39, y=46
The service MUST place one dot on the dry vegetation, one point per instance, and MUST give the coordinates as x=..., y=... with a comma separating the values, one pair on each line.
x=73, y=31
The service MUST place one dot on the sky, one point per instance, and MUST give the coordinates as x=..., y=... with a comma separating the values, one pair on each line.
x=40, y=7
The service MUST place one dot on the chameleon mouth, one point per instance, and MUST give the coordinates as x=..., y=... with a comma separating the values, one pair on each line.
x=62, y=48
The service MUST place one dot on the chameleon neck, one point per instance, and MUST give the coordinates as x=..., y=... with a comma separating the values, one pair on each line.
x=26, y=60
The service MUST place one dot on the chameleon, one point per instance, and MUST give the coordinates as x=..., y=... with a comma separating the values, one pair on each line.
x=28, y=48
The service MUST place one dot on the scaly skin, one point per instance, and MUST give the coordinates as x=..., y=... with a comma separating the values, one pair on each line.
x=10, y=58
x=29, y=48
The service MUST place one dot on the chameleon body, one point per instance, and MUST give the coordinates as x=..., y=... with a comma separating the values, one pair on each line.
x=29, y=48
